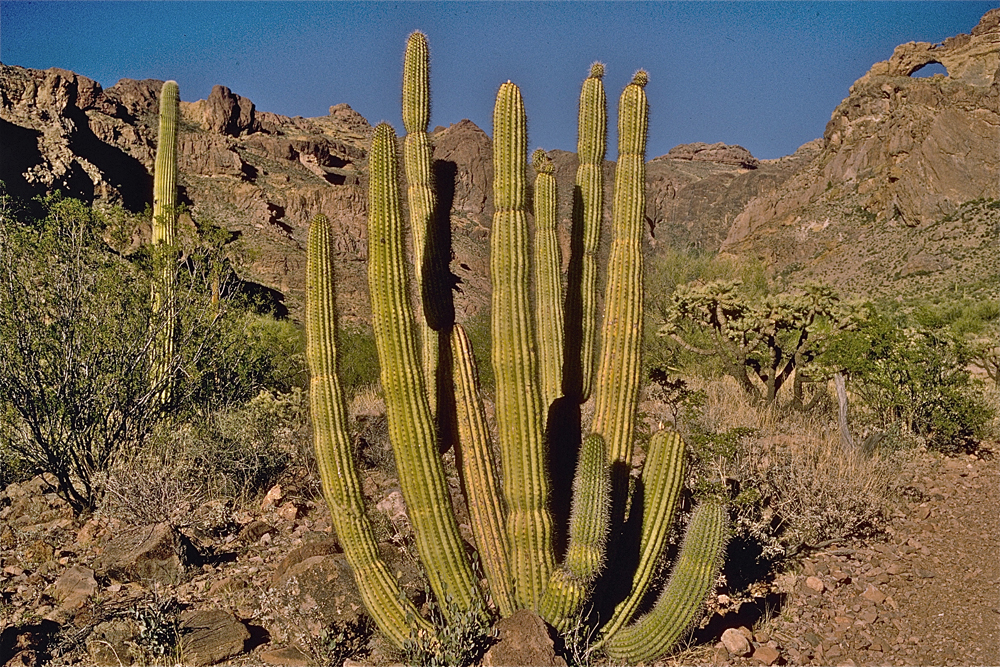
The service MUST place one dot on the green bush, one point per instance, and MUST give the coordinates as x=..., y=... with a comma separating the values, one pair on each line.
x=915, y=377
x=357, y=358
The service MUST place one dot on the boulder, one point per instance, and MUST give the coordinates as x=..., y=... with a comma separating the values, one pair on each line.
x=524, y=640
x=211, y=636
x=156, y=553
x=74, y=586
x=717, y=152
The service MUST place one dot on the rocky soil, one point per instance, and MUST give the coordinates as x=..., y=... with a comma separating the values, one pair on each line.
x=265, y=584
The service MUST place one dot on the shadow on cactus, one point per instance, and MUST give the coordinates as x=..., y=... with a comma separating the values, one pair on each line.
x=542, y=377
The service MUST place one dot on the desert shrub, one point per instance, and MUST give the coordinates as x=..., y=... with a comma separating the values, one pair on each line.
x=463, y=640
x=357, y=358
x=914, y=377
x=75, y=357
x=477, y=328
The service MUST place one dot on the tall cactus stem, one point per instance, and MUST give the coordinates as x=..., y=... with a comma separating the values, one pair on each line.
x=520, y=416
x=591, y=148
x=420, y=191
x=691, y=580
x=334, y=453
x=411, y=426
x=164, y=238
x=588, y=531
x=618, y=379
x=662, y=480
x=482, y=488
x=548, y=279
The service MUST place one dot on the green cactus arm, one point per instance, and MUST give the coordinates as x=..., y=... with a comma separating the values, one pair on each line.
x=411, y=426
x=334, y=454
x=591, y=148
x=420, y=191
x=588, y=530
x=164, y=236
x=690, y=583
x=520, y=417
x=482, y=488
x=548, y=279
x=661, y=483
x=618, y=379
x=165, y=167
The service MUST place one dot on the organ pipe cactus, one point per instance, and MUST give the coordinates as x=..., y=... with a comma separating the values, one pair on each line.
x=509, y=499
x=164, y=238
x=420, y=193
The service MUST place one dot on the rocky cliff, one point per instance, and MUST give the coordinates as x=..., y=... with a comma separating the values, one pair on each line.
x=265, y=176
x=900, y=161
x=899, y=155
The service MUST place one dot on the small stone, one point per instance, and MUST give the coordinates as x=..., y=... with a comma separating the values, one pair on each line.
x=922, y=512
x=873, y=594
x=761, y=637
x=735, y=642
x=274, y=494
x=720, y=655
x=289, y=656
x=74, y=586
x=813, y=639
x=289, y=512
x=815, y=584
x=766, y=654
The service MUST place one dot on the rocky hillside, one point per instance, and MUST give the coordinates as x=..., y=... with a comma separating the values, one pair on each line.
x=893, y=200
x=265, y=176
x=887, y=188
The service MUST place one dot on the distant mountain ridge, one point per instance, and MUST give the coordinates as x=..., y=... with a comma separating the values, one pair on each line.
x=898, y=156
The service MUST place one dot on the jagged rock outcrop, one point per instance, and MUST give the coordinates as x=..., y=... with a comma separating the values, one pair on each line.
x=717, y=152
x=898, y=152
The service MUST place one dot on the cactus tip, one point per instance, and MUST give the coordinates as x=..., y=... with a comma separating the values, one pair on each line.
x=597, y=70
x=541, y=162
x=641, y=78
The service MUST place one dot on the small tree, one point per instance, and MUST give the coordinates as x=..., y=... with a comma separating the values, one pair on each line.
x=762, y=342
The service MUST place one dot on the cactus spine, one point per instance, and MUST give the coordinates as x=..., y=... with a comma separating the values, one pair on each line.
x=334, y=454
x=164, y=238
x=411, y=426
x=520, y=417
x=548, y=279
x=420, y=192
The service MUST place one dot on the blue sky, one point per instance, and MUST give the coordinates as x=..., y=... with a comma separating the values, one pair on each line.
x=765, y=75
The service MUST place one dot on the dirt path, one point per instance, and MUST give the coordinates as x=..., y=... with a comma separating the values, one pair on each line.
x=929, y=595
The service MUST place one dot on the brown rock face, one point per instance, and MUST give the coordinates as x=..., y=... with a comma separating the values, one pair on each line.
x=230, y=114
x=149, y=553
x=718, y=152
x=209, y=637
x=898, y=153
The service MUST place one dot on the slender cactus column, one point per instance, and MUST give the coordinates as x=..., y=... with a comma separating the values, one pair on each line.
x=592, y=143
x=618, y=379
x=164, y=238
x=390, y=609
x=520, y=416
x=411, y=426
x=420, y=191
x=548, y=279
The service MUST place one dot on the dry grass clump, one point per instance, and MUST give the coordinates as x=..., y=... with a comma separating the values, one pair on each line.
x=794, y=481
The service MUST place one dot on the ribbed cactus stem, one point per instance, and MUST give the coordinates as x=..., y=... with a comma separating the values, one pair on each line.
x=482, y=488
x=164, y=238
x=618, y=378
x=420, y=191
x=662, y=481
x=411, y=426
x=691, y=580
x=588, y=531
x=548, y=279
x=379, y=589
x=520, y=416
x=591, y=147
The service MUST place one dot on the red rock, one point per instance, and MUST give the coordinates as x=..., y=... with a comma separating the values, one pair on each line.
x=766, y=654
x=735, y=642
x=74, y=586
x=211, y=636
x=289, y=656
